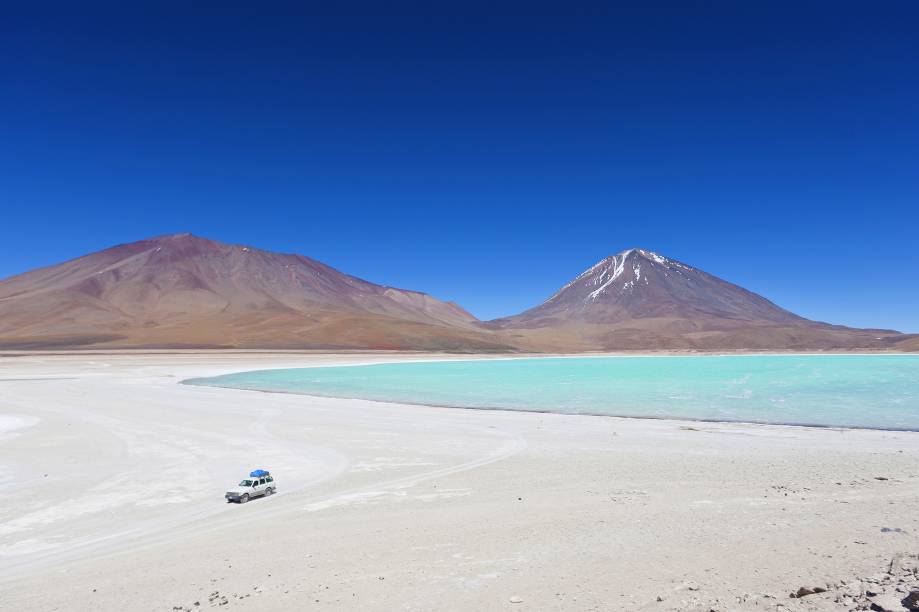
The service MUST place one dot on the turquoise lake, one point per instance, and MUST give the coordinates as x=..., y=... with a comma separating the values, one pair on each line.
x=873, y=391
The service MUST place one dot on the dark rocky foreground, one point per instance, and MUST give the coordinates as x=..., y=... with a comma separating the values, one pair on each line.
x=893, y=589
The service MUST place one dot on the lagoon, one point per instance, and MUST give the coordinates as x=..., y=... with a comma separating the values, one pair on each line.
x=866, y=391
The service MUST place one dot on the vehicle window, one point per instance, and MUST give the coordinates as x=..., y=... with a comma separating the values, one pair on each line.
x=261, y=481
x=269, y=479
x=246, y=483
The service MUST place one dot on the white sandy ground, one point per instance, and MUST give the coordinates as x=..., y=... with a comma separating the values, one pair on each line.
x=112, y=478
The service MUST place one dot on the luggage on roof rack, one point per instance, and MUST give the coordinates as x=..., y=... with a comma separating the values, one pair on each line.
x=259, y=473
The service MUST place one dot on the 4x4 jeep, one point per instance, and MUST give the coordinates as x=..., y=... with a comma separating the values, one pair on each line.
x=259, y=483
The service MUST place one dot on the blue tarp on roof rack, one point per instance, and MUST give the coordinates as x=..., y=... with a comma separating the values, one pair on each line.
x=258, y=473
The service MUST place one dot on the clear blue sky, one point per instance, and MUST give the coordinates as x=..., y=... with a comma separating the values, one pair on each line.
x=485, y=158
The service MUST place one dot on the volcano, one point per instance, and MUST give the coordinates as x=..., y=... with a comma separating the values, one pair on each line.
x=185, y=291
x=639, y=299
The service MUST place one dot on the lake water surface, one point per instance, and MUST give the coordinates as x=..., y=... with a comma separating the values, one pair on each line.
x=876, y=391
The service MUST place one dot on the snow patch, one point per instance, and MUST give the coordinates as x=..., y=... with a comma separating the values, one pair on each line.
x=664, y=261
x=602, y=274
x=583, y=274
x=655, y=257
x=617, y=267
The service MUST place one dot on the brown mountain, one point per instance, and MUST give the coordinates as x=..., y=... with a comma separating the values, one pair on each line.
x=182, y=290
x=638, y=299
x=185, y=291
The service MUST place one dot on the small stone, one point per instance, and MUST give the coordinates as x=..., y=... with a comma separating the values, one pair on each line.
x=911, y=601
x=515, y=600
x=805, y=591
x=886, y=603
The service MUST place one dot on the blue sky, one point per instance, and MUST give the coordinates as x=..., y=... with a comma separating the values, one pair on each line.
x=484, y=158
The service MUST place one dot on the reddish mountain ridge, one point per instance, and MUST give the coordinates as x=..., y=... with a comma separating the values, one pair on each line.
x=638, y=299
x=182, y=290
x=185, y=291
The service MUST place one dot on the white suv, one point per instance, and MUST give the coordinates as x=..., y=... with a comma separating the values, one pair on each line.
x=254, y=486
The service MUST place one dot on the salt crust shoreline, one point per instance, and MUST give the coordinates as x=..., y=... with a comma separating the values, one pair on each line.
x=117, y=500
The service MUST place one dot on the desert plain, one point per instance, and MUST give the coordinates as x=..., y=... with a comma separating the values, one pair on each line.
x=112, y=477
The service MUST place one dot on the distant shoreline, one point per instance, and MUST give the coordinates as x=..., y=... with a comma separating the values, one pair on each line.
x=671, y=419
x=483, y=354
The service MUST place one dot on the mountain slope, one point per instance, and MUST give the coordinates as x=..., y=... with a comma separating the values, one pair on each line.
x=185, y=290
x=639, y=299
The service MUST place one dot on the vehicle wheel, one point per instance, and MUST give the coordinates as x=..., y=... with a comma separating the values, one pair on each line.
x=244, y=498
x=269, y=491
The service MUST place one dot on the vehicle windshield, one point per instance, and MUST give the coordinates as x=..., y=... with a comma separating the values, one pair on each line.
x=246, y=483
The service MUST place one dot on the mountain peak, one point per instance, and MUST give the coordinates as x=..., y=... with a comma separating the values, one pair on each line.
x=640, y=299
x=637, y=284
x=174, y=237
x=184, y=289
x=638, y=253
x=651, y=256
x=622, y=272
